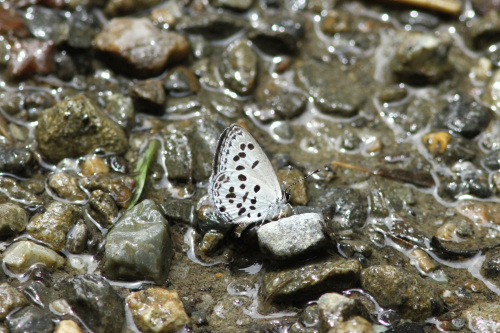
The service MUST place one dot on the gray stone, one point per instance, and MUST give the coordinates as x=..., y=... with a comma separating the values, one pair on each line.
x=181, y=81
x=139, y=245
x=464, y=116
x=134, y=46
x=178, y=156
x=221, y=103
x=95, y=302
x=212, y=25
x=149, y=96
x=332, y=96
x=344, y=208
x=413, y=297
x=121, y=109
x=47, y=24
x=103, y=208
x=76, y=239
x=239, y=5
x=13, y=219
x=238, y=68
x=52, y=226
x=421, y=58
x=30, y=319
x=311, y=280
x=292, y=236
x=16, y=160
x=75, y=127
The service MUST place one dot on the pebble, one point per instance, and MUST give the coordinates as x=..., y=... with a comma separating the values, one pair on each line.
x=210, y=242
x=157, y=310
x=483, y=317
x=120, y=8
x=423, y=260
x=67, y=326
x=212, y=25
x=139, y=245
x=76, y=239
x=75, y=127
x=332, y=274
x=20, y=256
x=18, y=161
x=13, y=219
x=52, y=226
x=66, y=186
x=10, y=299
x=121, y=109
x=94, y=165
x=47, y=24
x=30, y=319
x=95, y=302
x=178, y=156
x=292, y=236
x=336, y=309
x=149, y=96
x=181, y=81
x=30, y=57
x=16, y=192
x=120, y=187
x=103, y=208
x=463, y=116
x=393, y=287
x=344, y=208
x=421, y=58
x=354, y=325
x=238, y=68
x=342, y=98
x=121, y=40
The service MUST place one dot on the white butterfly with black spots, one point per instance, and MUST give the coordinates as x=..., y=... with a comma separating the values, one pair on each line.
x=243, y=186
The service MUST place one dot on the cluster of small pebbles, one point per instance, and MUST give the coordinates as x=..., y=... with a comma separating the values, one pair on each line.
x=396, y=102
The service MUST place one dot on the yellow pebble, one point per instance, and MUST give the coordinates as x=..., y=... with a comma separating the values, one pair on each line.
x=437, y=142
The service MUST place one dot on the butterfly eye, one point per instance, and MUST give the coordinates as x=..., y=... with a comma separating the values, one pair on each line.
x=287, y=195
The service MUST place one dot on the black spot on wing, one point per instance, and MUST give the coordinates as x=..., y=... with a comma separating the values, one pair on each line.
x=242, y=177
x=255, y=164
x=242, y=211
x=251, y=146
x=256, y=188
x=240, y=167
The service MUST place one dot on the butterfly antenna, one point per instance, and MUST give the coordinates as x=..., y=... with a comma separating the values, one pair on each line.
x=302, y=179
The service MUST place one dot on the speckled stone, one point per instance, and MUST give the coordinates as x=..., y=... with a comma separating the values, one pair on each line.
x=157, y=310
x=53, y=225
x=10, y=298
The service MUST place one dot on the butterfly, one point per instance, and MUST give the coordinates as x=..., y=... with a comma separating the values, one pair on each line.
x=243, y=186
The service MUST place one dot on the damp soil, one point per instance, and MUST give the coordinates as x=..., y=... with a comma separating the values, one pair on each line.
x=391, y=109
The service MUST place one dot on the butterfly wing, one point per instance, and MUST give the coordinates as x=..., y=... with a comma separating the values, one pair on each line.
x=240, y=162
x=243, y=201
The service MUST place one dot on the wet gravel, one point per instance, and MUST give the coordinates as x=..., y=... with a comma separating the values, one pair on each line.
x=395, y=105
